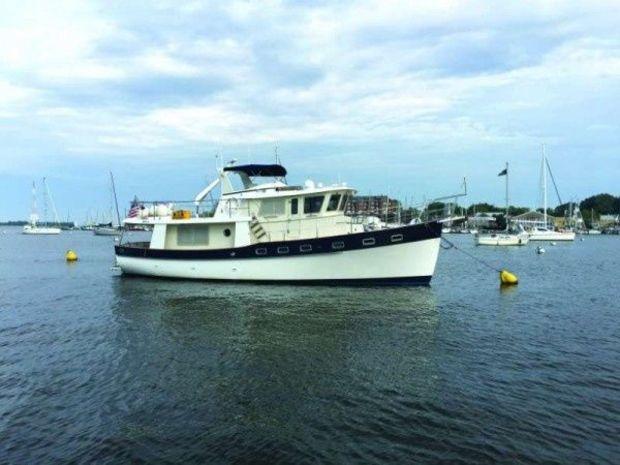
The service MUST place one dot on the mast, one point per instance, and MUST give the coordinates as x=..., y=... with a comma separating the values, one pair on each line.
x=33, y=213
x=118, y=216
x=49, y=195
x=544, y=184
x=507, y=201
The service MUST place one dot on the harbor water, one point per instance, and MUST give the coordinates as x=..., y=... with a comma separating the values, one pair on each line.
x=99, y=368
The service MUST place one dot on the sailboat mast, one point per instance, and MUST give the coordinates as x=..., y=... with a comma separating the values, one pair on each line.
x=118, y=216
x=33, y=213
x=49, y=195
x=544, y=184
x=507, y=200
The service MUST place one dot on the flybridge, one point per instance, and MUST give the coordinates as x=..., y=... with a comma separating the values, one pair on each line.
x=277, y=171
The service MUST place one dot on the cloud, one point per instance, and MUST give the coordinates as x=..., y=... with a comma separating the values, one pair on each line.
x=451, y=77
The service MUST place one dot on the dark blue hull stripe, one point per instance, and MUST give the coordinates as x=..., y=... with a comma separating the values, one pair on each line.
x=283, y=249
x=365, y=282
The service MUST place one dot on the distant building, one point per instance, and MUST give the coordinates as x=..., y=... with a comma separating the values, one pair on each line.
x=536, y=219
x=608, y=220
x=376, y=205
x=483, y=220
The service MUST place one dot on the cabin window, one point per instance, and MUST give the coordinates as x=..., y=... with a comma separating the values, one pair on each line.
x=313, y=204
x=261, y=251
x=271, y=207
x=294, y=206
x=192, y=235
x=305, y=248
x=334, y=200
x=343, y=204
x=282, y=249
x=227, y=232
x=338, y=245
x=396, y=237
x=368, y=241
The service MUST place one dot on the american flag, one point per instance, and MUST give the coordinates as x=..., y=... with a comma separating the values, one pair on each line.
x=134, y=210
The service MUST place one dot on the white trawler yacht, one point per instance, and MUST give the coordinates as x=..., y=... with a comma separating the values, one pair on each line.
x=273, y=232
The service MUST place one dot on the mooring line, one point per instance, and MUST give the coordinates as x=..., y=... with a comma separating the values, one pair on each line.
x=479, y=260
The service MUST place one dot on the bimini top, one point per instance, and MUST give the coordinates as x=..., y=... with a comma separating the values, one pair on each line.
x=277, y=171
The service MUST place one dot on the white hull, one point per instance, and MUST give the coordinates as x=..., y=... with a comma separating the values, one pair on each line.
x=502, y=239
x=36, y=231
x=400, y=262
x=107, y=232
x=552, y=236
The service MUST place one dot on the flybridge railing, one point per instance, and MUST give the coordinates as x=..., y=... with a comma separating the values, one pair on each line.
x=398, y=214
x=186, y=209
x=145, y=209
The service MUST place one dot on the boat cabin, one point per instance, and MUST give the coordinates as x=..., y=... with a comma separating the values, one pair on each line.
x=250, y=211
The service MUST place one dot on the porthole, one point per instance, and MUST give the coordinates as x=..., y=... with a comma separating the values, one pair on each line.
x=261, y=251
x=396, y=237
x=368, y=241
x=227, y=232
x=305, y=248
x=282, y=249
x=337, y=245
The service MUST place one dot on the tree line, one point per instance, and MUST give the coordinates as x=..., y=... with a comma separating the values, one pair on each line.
x=591, y=208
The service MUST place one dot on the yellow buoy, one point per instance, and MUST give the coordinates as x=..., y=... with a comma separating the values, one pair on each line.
x=506, y=277
x=71, y=256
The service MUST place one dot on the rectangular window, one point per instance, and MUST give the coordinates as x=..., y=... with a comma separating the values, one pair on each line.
x=334, y=200
x=192, y=235
x=294, y=203
x=271, y=207
x=313, y=204
x=343, y=204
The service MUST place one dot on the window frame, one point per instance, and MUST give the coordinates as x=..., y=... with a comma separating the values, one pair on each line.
x=331, y=208
x=186, y=229
x=314, y=212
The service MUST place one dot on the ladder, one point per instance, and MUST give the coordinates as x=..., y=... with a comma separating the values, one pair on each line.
x=257, y=229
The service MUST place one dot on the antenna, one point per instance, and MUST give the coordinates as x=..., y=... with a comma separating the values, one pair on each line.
x=275, y=151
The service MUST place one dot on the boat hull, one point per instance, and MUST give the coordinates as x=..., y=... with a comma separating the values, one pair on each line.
x=502, y=239
x=40, y=231
x=406, y=262
x=106, y=232
x=552, y=236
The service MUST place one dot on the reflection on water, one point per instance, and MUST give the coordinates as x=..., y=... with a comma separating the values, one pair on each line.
x=270, y=361
x=96, y=368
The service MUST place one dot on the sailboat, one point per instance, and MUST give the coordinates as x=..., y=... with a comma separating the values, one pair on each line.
x=505, y=237
x=544, y=233
x=32, y=228
x=592, y=230
x=109, y=229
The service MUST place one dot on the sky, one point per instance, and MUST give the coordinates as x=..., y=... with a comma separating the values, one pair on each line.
x=394, y=97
